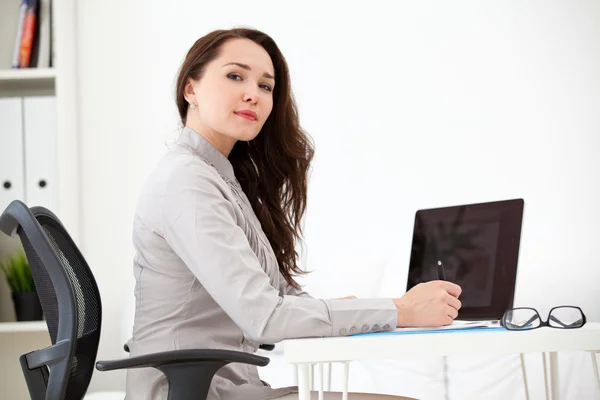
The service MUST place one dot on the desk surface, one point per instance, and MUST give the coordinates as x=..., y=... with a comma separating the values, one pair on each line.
x=378, y=347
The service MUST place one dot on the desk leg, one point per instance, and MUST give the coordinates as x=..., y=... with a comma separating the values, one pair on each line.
x=546, y=387
x=296, y=374
x=554, y=384
x=595, y=368
x=446, y=382
x=524, y=376
x=346, y=377
x=303, y=382
x=321, y=380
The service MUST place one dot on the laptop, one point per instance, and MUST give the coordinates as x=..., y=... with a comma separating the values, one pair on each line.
x=475, y=246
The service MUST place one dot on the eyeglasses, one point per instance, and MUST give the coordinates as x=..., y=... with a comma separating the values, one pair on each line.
x=524, y=318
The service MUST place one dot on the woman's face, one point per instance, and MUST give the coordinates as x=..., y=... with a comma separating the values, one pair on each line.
x=234, y=96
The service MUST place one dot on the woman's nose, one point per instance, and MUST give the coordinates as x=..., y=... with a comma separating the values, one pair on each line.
x=251, y=96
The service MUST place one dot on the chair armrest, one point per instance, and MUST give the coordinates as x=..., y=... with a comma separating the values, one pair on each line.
x=267, y=347
x=182, y=356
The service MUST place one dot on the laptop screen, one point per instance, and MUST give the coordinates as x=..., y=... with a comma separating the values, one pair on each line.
x=475, y=246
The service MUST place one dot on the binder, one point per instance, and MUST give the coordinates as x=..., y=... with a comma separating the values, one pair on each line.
x=45, y=37
x=12, y=182
x=39, y=117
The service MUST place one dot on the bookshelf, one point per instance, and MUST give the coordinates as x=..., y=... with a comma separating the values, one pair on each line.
x=27, y=82
x=17, y=339
x=28, y=75
x=58, y=80
x=22, y=327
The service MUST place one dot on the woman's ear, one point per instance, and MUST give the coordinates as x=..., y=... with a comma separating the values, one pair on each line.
x=188, y=91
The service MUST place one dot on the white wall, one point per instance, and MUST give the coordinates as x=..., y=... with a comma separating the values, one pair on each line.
x=411, y=105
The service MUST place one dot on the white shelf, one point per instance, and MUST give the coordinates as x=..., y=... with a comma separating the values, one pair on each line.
x=18, y=327
x=27, y=82
x=27, y=74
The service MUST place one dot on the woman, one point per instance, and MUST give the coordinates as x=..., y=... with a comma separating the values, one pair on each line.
x=218, y=219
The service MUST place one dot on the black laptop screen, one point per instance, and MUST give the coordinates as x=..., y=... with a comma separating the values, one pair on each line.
x=477, y=245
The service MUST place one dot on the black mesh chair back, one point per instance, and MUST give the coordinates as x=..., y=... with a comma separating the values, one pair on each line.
x=70, y=299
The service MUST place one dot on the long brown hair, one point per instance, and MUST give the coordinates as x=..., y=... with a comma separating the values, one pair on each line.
x=272, y=168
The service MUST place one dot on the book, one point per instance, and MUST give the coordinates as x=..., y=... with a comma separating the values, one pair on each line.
x=28, y=34
x=17, y=50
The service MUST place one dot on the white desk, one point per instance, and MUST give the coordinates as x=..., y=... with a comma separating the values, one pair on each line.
x=305, y=352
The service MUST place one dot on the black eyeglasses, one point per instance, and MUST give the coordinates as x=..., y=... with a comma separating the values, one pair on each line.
x=525, y=318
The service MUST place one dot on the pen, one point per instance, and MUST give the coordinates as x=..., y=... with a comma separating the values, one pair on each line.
x=441, y=272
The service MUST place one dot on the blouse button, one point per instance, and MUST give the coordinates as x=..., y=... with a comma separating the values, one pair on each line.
x=353, y=330
x=343, y=332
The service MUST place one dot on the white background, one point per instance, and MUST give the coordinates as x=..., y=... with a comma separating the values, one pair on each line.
x=411, y=105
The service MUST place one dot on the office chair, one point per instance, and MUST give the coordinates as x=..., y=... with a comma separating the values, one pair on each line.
x=73, y=311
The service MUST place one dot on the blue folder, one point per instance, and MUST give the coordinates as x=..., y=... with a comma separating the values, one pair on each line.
x=427, y=331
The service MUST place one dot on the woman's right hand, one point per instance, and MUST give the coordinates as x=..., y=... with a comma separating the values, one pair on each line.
x=429, y=304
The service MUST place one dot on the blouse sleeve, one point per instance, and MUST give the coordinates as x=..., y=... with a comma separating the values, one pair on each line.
x=201, y=228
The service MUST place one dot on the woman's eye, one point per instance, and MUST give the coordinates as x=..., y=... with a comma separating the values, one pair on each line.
x=237, y=77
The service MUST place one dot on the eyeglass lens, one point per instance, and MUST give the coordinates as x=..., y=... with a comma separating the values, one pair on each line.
x=566, y=317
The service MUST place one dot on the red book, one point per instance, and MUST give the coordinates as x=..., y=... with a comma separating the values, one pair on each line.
x=28, y=34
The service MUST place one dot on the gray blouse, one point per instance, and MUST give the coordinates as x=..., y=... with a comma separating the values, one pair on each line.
x=207, y=277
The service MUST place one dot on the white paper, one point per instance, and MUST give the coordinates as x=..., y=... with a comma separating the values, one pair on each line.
x=455, y=325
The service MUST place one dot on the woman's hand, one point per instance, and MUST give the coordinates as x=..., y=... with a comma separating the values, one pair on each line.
x=429, y=304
